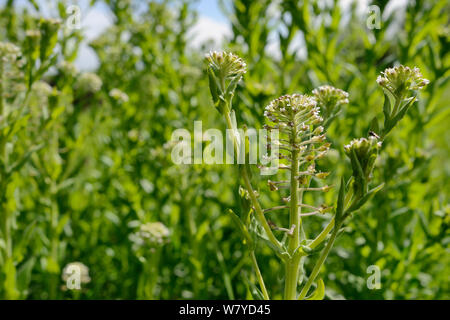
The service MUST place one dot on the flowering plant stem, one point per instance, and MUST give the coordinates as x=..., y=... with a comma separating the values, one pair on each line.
x=292, y=265
x=297, y=118
x=319, y=263
x=259, y=213
x=245, y=175
x=259, y=275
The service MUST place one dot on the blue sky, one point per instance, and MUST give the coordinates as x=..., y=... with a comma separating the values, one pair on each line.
x=211, y=9
x=211, y=25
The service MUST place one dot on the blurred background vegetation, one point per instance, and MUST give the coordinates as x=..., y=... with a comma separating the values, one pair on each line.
x=87, y=174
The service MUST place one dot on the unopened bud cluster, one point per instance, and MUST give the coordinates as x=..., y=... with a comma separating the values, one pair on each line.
x=401, y=80
x=9, y=53
x=11, y=74
x=153, y=233
x=330, y=99
x=362, y=153
x=89, y=83
x=226, y=64
x=224, y=71
x=119, y=96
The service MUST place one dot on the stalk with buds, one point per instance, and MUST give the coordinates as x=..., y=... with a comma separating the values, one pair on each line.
x=301, y=121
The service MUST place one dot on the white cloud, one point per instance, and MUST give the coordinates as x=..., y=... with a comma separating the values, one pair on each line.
x=94, y=23
x=208, y=32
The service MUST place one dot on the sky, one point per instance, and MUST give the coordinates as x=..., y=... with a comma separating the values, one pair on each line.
x=210, y=8
x=212, y=24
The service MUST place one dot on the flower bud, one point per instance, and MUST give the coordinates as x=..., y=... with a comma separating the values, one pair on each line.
x=49, y=36
x=272, y=186
x=119, y=96
x=68, y=68
x=330, y=99
x=154, y=233
x=31, y=48
x=224, y=71
x=362, y=153
x=401, y=80
x=89, y=83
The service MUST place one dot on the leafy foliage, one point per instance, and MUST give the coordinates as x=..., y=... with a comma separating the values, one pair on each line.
x=86, y=173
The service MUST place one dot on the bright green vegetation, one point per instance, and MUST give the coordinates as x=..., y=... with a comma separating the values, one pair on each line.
x=86, y=173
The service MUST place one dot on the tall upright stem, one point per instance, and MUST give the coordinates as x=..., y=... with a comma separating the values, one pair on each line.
x=319, y=264
x=6, y=215
x=258, y=210
x=259, y=276
x=1, y=88
x=293, y=263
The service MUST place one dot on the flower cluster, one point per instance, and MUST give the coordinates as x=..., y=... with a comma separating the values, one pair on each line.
x=9, y=53
x=153, y=234
x=11, y=75
x=301, y=140
x=293, y=108
x=68, y=68
x=330, y=99
x=89, y=83
x=224, y=71
x=227, y=64
x=401, y=80
x=42, y=89
x=362, y=153
x=119, y=96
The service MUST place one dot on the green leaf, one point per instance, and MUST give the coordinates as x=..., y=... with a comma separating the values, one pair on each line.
x=256, y=293
x=364, y=199
x=387, y=111
x=241, y=227
x=24, y=275
x=10, y=280
x=20, y=163
x=319, y=293
x=213, y=87
x=374, y=126
x=341, y=201
x=403, y=111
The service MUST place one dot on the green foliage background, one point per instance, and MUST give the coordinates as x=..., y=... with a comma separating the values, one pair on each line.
x=92, y=168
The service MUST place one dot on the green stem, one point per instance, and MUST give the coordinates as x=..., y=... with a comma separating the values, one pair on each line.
x=396, y=106
x=259, y=276
x=319, y=264
x=322, y=236
x=2, y=103
x=9, y=268
x=258, y=210
x=54, y=279
x=293, y=264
